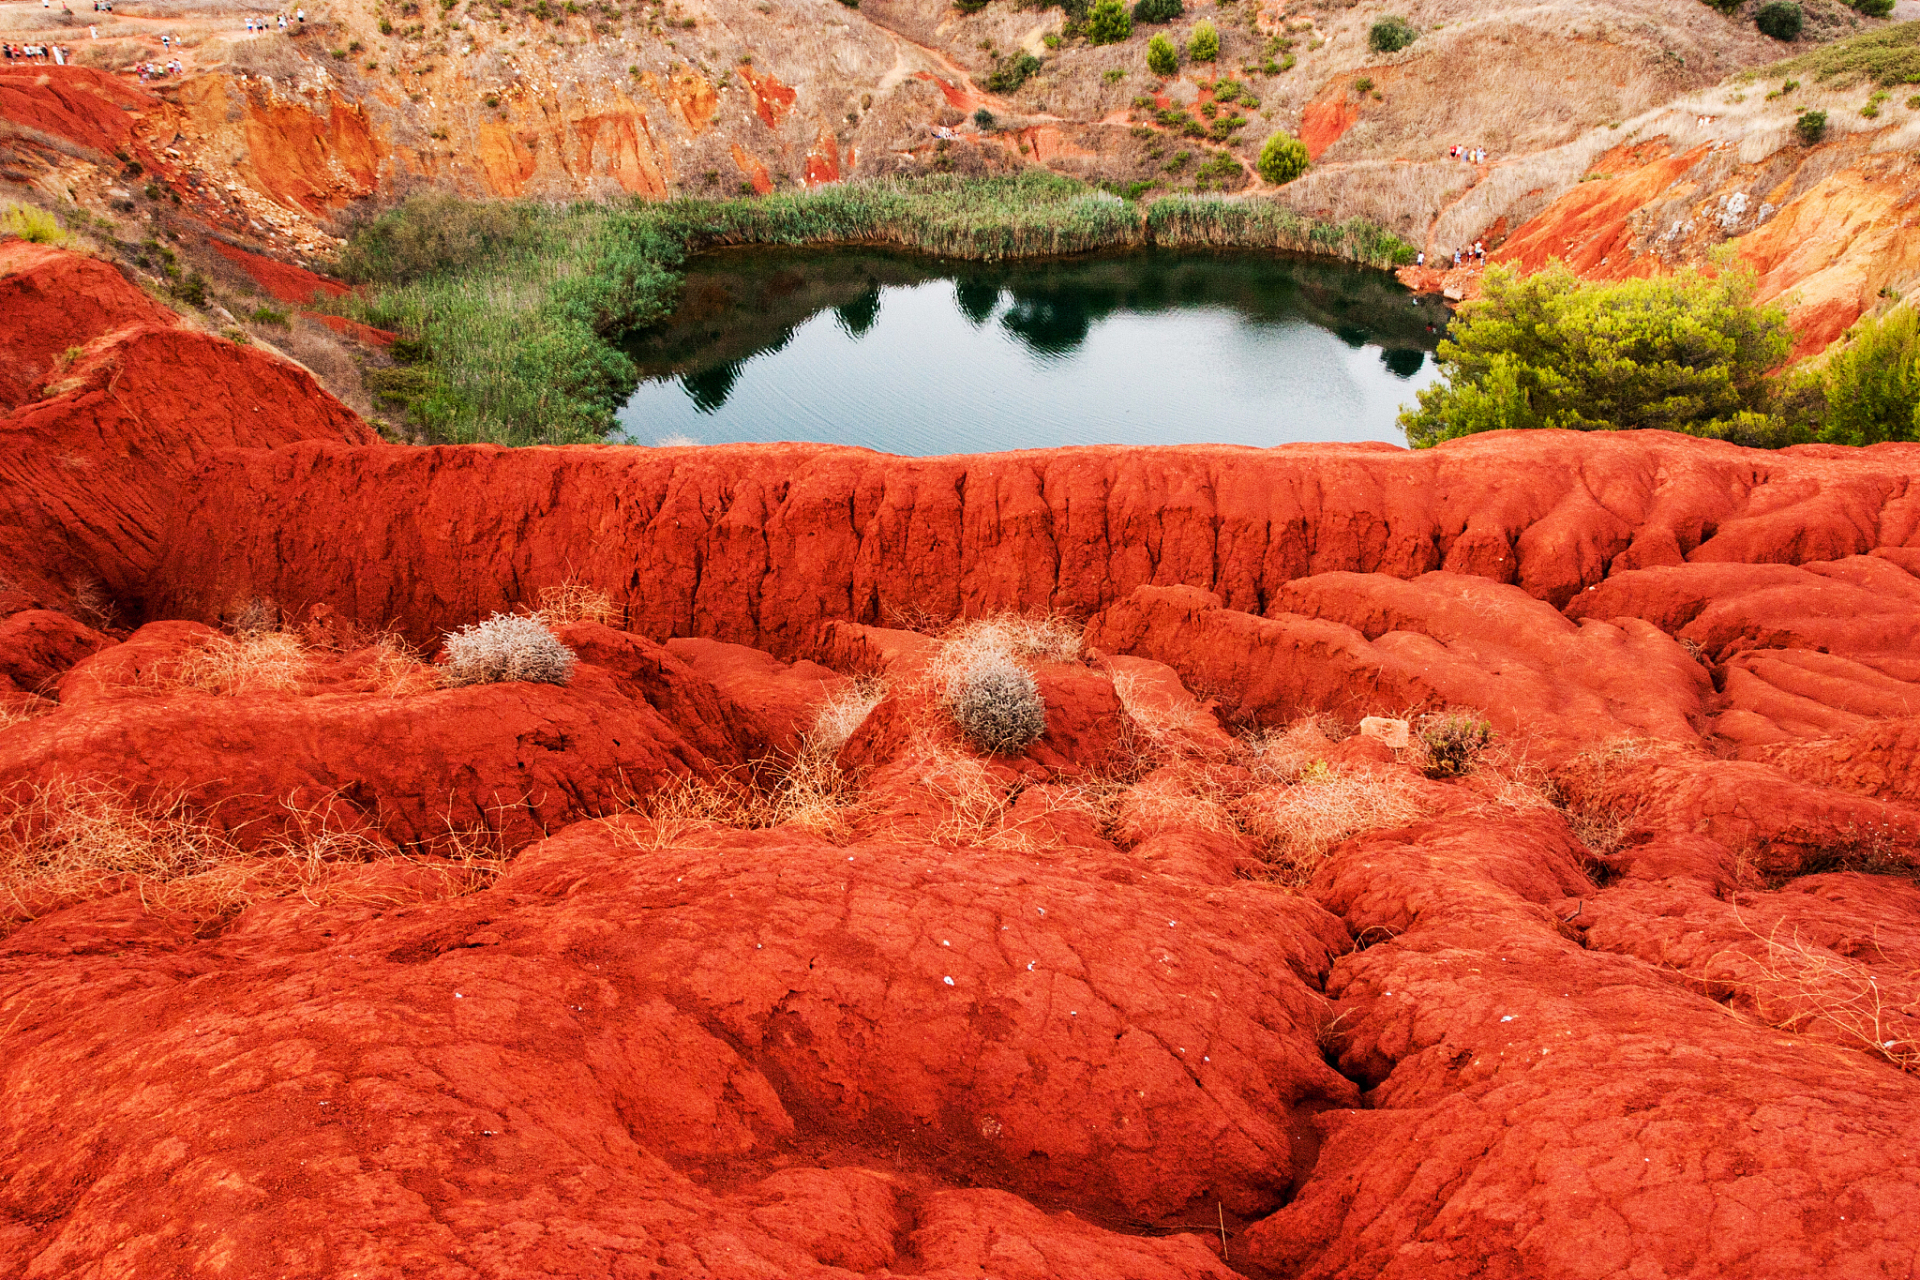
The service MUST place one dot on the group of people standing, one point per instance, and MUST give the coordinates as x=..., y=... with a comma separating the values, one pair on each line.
x=35, y=53
x=257, y=25
x=155, y=70
x=1473, y=255
x=1472, y=155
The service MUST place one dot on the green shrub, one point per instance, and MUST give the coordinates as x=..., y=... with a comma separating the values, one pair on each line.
x=1873, y=383
x=1811, y=126
x=1888, y=56
x=1452, y=744
x=36, y=226
x=1282, y=159
x=1158, y=10
x=192, y=290
x=1680, y=353
x=1780, y=19
x=983, y=118
x=1108, y=23
x=1874, y=8
x=969, y=6
x=1391, y=34
x=267, y=315
x=431, y=234
x=1204, y=44
x=1012, y=72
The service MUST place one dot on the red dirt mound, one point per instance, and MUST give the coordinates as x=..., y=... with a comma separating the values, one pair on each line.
x=80, y=105
x=55, y=301
x=282, y=280
x=89, y=471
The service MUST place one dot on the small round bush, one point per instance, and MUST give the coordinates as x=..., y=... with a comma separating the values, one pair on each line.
x=1158, y=10
x=1780, y=19
x=983, y=118
x=997, y=705
x=1811, y=126
x=1391, y=34
x=1108, y=23
x=1452, y=744
x=1162, y=60
x=1874, y=8
x=506, y=647
x=1204, y=44
x=1282, y=159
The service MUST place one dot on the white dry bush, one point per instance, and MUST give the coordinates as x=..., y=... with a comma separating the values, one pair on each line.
x=983, y=682
x=505, y=647
x=996, y=703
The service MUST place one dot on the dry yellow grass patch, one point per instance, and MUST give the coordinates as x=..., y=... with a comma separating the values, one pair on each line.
x=69, y=842
x=573, y=601
x=1300, y=823
x=250, y=662
x=1805, y=988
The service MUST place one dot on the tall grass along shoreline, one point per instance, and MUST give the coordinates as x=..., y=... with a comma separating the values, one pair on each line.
x=510, y=313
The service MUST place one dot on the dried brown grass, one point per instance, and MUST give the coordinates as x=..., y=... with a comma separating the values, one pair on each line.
x=1298, y=825
x=574, y=601
x=274, y=661
x=1807, y=989
x=73, y=841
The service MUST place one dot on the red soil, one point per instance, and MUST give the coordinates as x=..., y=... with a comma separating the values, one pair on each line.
x=1323, y=123
x=281, y=280
x=771, y=99
x=79, y=104
x=88, y=469
x=1064, y=1046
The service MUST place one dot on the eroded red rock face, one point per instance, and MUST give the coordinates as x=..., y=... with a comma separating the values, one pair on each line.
x=697, y=966
x=112, y=406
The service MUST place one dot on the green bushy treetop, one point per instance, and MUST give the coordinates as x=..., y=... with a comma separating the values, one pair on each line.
x=1158, y=10
x=1873, y=383
x=1687, y=352
x=1391, y=34
x=1108, y=23
x=1811, y=126
x=1282, y=159
x=1780, y=19
x=1204, y=44
x=1162, y=60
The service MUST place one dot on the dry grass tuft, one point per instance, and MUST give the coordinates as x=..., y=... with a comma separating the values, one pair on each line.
x=1281, y=755
x=842, y=713
x=1804, y=988
x=1022, y=637
x=69, y=842
x=573, y=601
x=1299, y=824
x=251, y=662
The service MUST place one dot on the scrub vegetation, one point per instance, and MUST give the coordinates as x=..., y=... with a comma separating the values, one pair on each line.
x=1688, y=352
x=510, y=314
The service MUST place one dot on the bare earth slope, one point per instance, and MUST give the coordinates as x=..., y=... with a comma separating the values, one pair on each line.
x=316, y=962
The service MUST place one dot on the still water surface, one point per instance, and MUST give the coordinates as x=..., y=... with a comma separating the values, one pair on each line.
x=913, y=355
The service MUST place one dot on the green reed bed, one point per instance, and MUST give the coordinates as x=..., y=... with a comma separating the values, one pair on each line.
x=509, y=312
